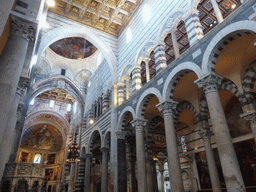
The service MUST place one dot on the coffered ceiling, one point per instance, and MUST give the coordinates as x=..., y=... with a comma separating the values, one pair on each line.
x=110, y=16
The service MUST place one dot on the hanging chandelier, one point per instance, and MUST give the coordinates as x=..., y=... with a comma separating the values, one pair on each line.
x=73, y=153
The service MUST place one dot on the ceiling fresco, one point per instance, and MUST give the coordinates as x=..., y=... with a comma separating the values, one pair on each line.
x=73, y=48
x=110, y=16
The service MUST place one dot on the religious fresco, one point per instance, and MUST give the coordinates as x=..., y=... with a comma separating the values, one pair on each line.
x=73, y=48
x=44, y=137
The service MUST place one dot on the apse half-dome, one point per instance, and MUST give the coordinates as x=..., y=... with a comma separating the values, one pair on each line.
x=73, y=48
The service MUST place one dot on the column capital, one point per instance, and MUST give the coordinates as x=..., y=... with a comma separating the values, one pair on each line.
x=249, y=116
x=139, y=124
x=167, y=107
x=120, y=134
x=22, y=28
x=210, y=82
x=205, y=133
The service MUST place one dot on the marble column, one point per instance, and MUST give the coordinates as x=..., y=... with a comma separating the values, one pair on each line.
x=139, y=125
x=162, y=179
x=104, y=170
x=87, y=172
x=105, y=102
x=167, y=108
x=147, y=69
x=214, y=176
x=193, y=26
x=160, y=58
x=81, y=173
x=217, y=11
x=155, y=184
x=161, y=161
x=127, y=85
x=132, y=160
x=175, y=44
x=251, y=117
x=121, y=162
x=11, y=64
x=136, y=79
x=120, y=93
x=231, y=170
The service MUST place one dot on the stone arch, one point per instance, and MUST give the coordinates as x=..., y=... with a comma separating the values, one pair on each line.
x=54, y=82
x=56, y=120
x=79, y=31
x=169, y=23
x=125, y=71
x=92, y=140
x=123, y=116
x=231, y=86
x=145, y=98
x=107, y=140
x=248, y=82
x=194, y=3
x=143, y=50
x=185, y=105
x=176, y=75
x=221, y=39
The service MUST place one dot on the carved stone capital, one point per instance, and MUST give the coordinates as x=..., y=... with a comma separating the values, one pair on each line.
x=120, y=134
x=167, y=107
x=209, y=83
x=205, y=133
x=249, y=116
x=22, y=28
x=139, y=124
x=22, y=86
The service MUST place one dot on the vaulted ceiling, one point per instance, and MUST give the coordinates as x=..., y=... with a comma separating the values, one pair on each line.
x=110, y=16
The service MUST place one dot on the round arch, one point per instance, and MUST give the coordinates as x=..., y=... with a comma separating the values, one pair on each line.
x=207, y=63
x=55, y=119
x=56, y=82
x=94, y=134
x=127, y=109
x=171, y=77
x=169, y=22
x=79, y=31
x=144, y=97
x=107, y=139
x=143, y=50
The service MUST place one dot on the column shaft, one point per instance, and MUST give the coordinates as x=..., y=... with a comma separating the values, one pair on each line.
x=214, y=176
x=231, y=170
x=175, y=45
x=104, y=170
x=11, y=64
x=160, y=58
x=162, y=180
x=88, y=172
x=121, y=162
x=147, y=70
x=193, y=26
x=172, y=146
x=217, y=10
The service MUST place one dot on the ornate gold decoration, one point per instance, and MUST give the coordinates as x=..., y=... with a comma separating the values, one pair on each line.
x=105, y=15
